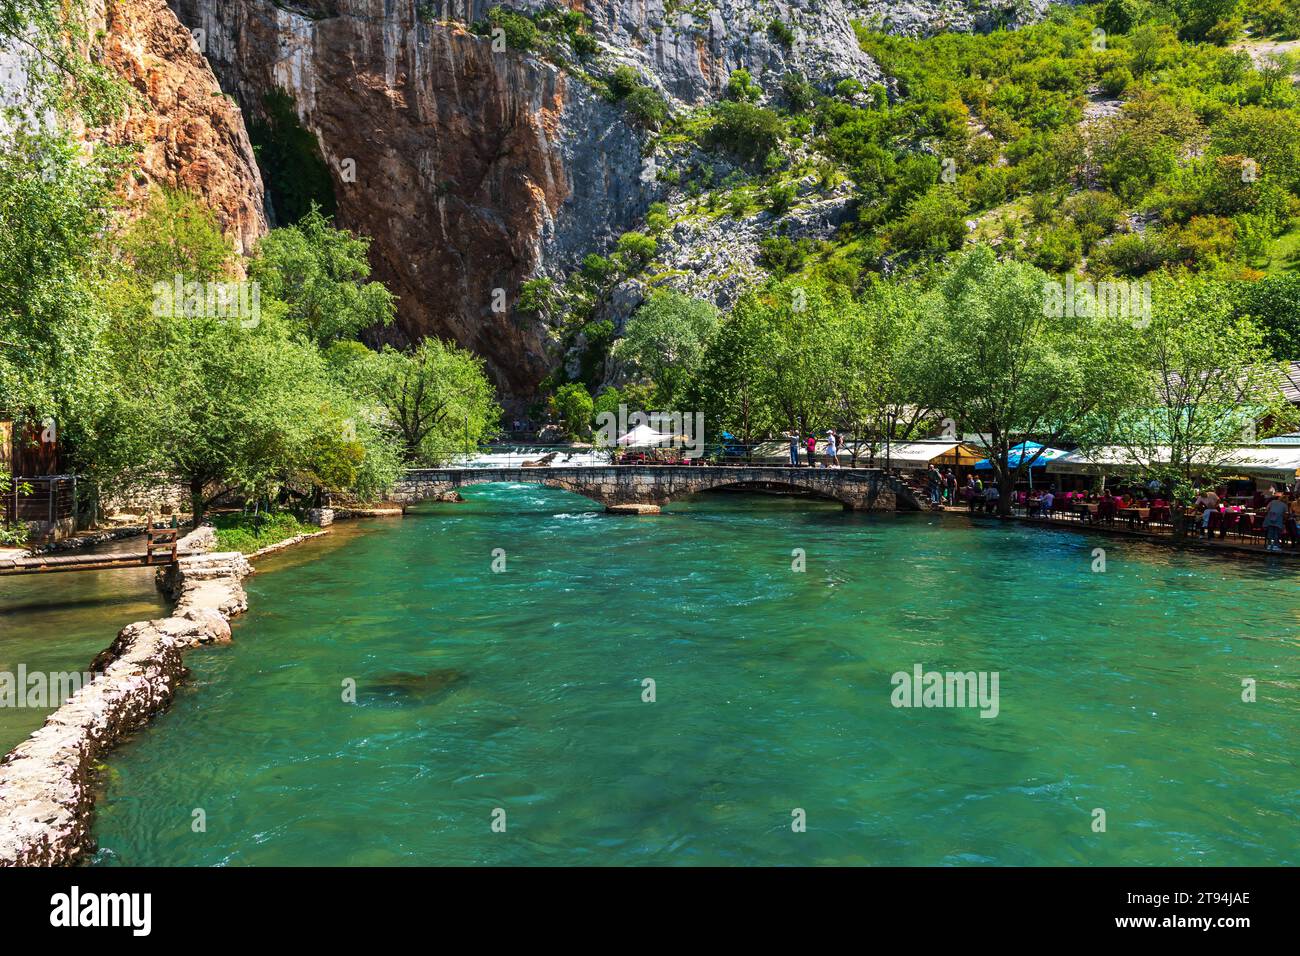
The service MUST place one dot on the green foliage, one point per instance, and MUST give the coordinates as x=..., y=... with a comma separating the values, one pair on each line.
x=799, y=94
x=645, y=104
x=573, y=406
x=436, y=397
x=1212, y=20
x=657, y=219
x=190, y=244
x=747, y=131
x=53, y=214
x=633, y=251
x=1010, y=371
x=780, y=197
x=781, y=32
x=1279, y=18
x=538, y=296
x=597, y=268
x=783, y=256
x=742, y=88
x=319, y=272
x=665, y=339
x=1273, y=303
x=935, y=223
x=518, y=29
x=1118, y=16
x=1005, y=112
x=622, y=81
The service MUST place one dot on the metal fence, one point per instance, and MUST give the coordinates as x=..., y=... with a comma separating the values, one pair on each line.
x=48, y=498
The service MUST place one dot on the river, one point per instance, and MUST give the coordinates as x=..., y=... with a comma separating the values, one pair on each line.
x=58, y=622
x=501, y=716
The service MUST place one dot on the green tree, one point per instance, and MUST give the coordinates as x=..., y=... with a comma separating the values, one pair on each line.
x=1012, y=372
x=319, y=272
x=666, y=339
x=748, y=131
x=437, y=397
x=53, y=262
x=573, y=406
x=176, y=236
x=728, y=385
x=634, y=250
x=1274, y=304
x=742, y=88
x=792, y=321
x=1209, y=380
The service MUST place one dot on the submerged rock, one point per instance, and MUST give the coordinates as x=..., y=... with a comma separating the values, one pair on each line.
x=404, y=685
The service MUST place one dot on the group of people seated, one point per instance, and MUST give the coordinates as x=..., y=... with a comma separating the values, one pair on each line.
x=1273, y=516
x=1270, y=514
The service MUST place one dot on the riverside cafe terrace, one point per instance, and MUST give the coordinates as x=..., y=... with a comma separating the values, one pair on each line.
x=1249, y=474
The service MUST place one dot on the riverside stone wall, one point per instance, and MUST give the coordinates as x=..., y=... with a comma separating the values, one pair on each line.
x=46, y=782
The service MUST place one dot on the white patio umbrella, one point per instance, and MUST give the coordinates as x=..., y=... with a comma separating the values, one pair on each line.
x=643, y=436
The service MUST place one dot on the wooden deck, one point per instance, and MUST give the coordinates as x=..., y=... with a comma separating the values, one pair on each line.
x=160, y=551
x=51, y=563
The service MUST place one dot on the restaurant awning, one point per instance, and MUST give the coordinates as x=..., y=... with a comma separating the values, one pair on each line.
x=1040, y=455
x=919, y=454
x=1280, y=462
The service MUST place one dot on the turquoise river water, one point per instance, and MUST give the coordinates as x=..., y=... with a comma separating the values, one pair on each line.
x=517, y=696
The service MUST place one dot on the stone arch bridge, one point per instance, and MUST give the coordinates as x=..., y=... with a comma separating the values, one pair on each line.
x=633, y=487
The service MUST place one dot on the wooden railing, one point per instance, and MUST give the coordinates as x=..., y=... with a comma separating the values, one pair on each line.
x=160, y=542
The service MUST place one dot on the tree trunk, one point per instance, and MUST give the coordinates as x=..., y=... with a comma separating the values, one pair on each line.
x=196, y=500
x=1006, y=486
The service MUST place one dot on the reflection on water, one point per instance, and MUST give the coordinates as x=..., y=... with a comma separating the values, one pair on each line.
x=523, y=690
x=59, y=622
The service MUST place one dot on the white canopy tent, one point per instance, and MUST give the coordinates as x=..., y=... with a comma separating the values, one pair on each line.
x=643, y=436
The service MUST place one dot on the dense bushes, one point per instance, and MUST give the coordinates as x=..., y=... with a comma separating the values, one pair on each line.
x=746, y=130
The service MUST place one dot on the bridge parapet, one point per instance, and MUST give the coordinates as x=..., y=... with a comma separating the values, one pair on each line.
x=858, y=489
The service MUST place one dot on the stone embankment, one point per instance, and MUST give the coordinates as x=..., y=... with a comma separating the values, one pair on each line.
x=47, y=781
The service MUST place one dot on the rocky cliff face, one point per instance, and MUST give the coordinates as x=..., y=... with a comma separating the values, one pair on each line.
x=469, y=168
x=186, y=132
x=474, y=170
x=928, y=17
x=190, y=135
x=688, y=48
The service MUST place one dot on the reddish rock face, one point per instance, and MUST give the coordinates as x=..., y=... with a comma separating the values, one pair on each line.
x=471, y=170
x=189, y=134
x=458, y=176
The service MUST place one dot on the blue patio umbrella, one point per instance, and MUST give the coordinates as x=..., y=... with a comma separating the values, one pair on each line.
x=1024, y=452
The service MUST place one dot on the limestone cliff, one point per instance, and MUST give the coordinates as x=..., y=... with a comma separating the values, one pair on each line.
x=188, y=133
x=469, y=168
x=688, y=48
x=185, y=132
